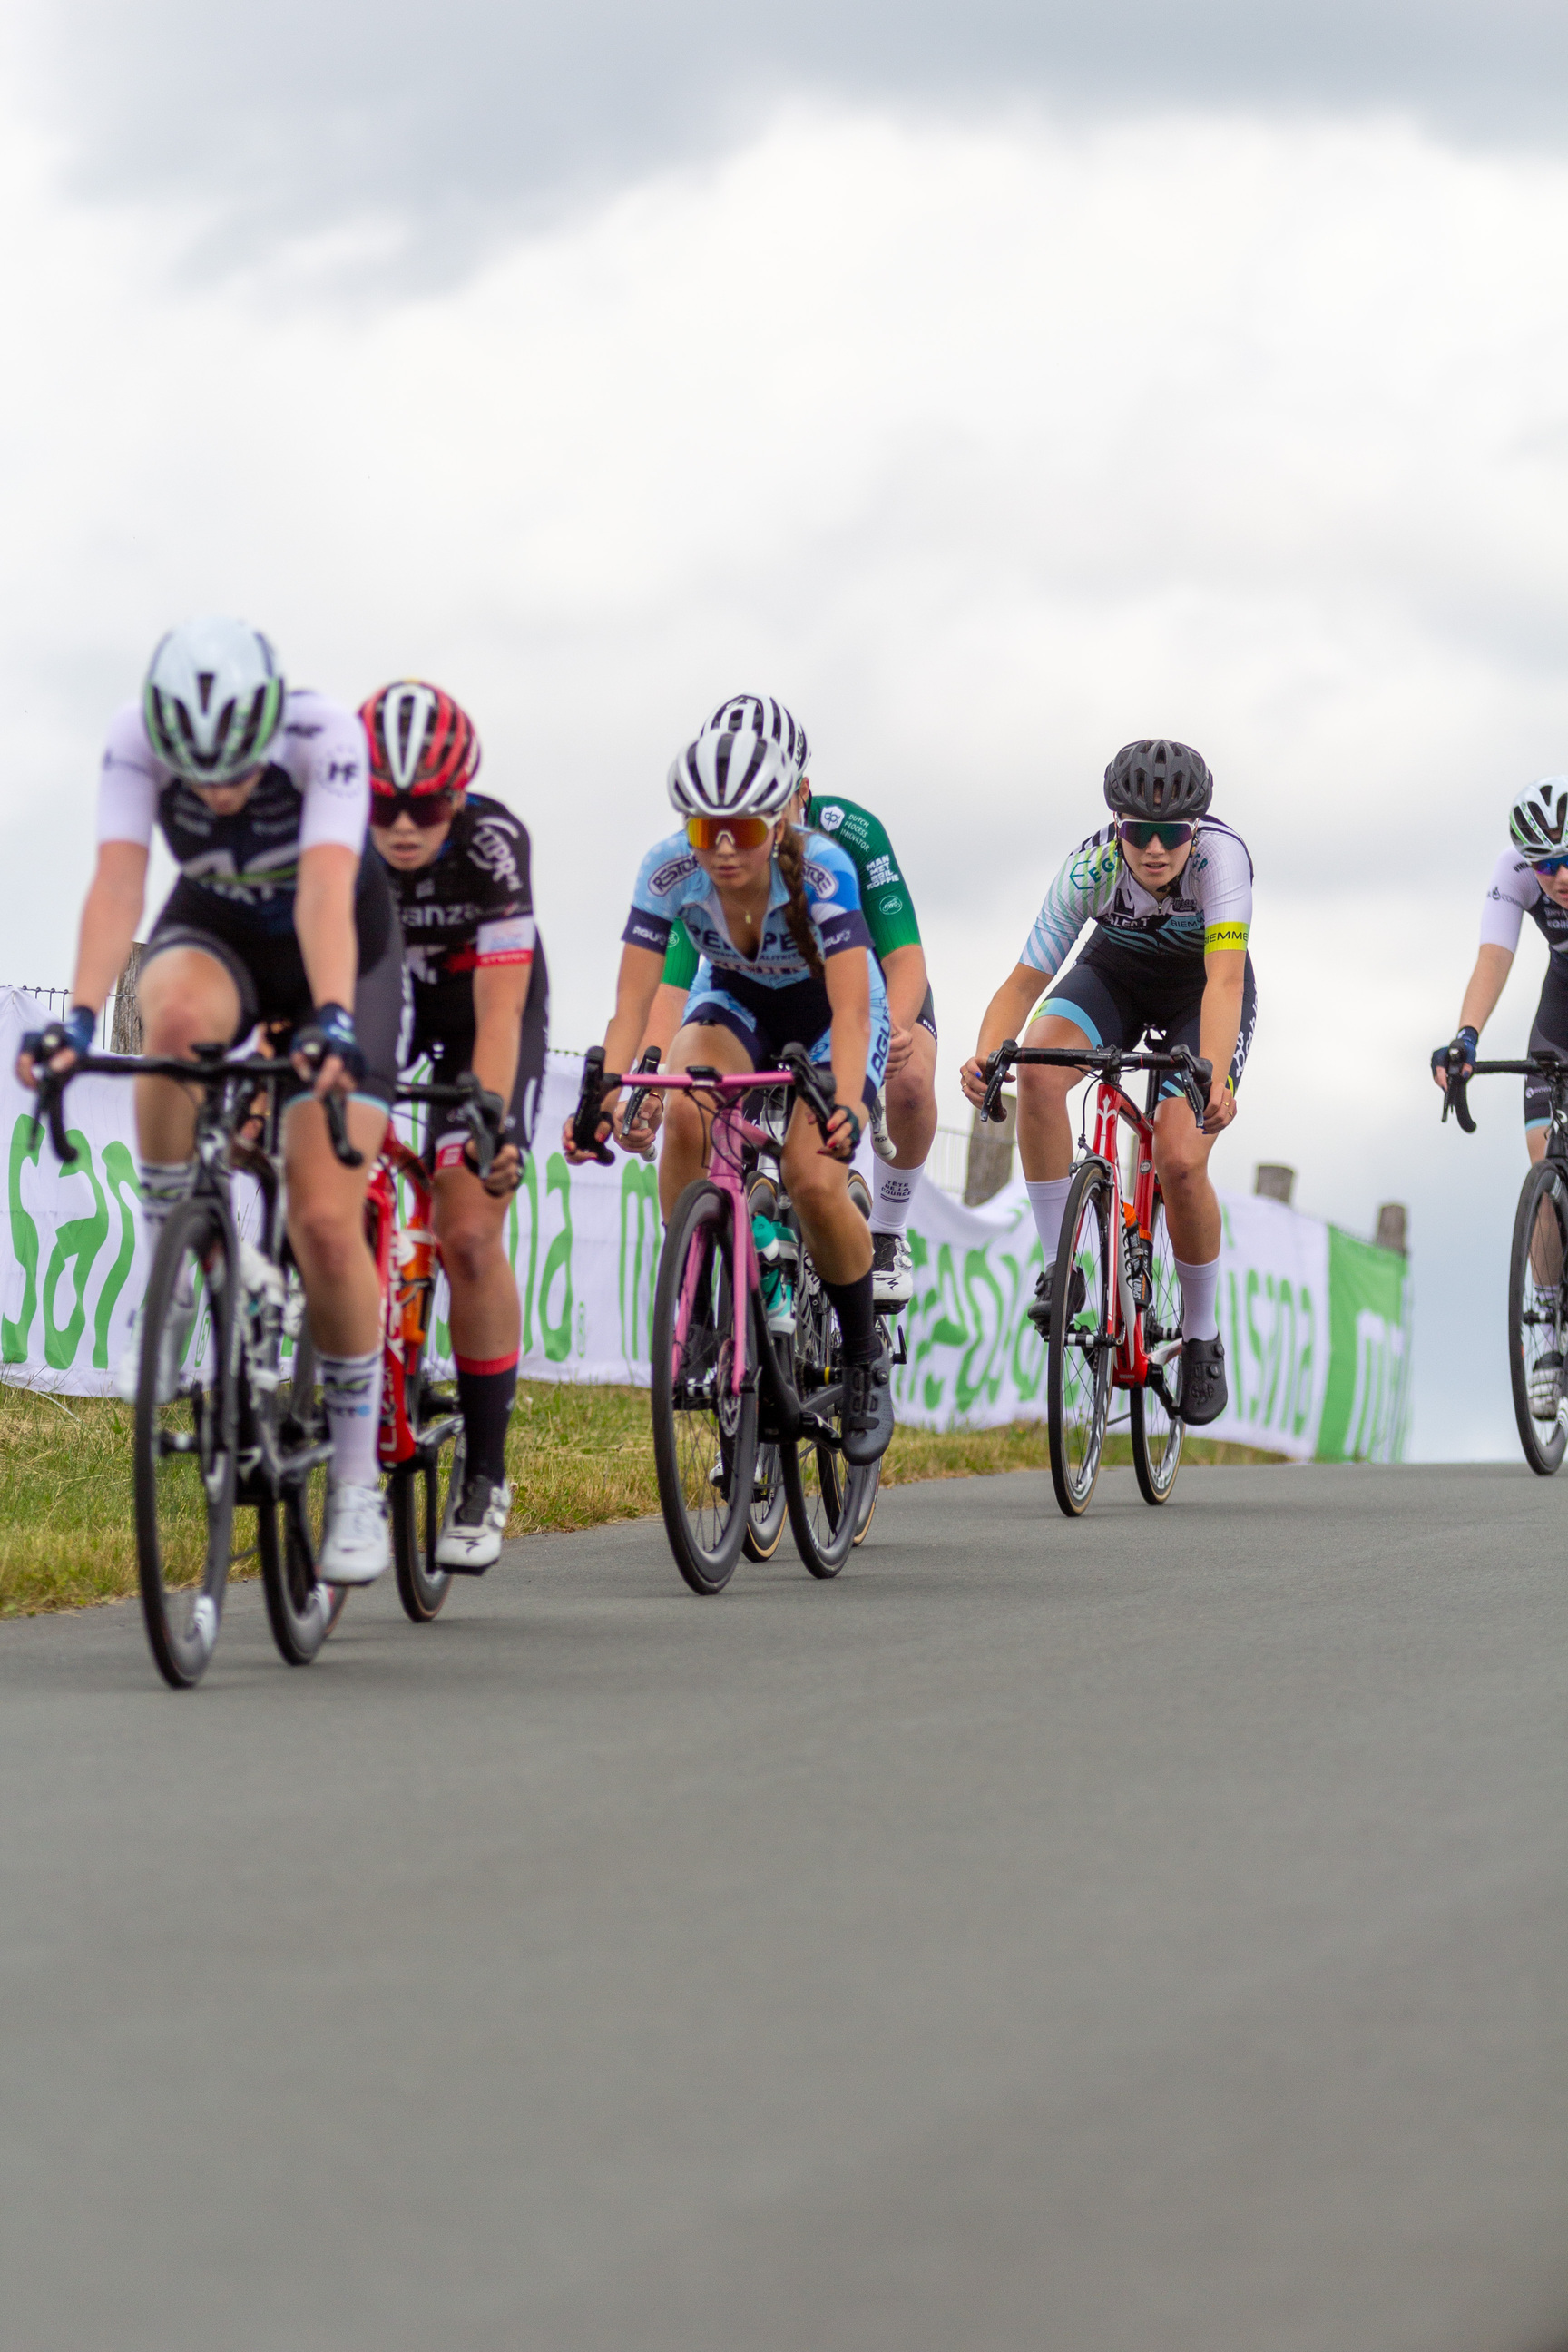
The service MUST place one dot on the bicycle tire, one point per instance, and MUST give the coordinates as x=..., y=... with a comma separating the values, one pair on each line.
x=824, y=1493
x=301, y=1609
x=1536, y=1305
x=184, y=1519
x=704, y=1436
x=873, y=1487
x=1157, y=1432
x=1077, y=1371
x=420, y=1492
x=770, y=1506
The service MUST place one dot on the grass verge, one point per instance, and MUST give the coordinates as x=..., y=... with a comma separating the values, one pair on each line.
x=578, y=1457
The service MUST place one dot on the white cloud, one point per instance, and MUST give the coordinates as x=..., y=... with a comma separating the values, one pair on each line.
x=989, y=447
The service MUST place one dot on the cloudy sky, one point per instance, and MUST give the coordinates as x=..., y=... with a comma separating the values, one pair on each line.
x=993, y=382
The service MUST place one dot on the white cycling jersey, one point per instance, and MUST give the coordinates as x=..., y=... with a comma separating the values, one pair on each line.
x=1209, y=910
x=1516, y=892
x=314, y=788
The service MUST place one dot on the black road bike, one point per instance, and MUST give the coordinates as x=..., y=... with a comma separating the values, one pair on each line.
x=1538, y=1261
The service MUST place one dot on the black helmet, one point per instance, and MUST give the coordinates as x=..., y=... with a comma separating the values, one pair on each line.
x=1155, y=780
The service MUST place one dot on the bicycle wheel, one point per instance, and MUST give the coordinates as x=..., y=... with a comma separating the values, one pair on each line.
x=704, y=1434
x=825, y=1493
x=300, y=1610
x=1537, y=1320
x=419, y=1491
x=1156, y=1421
x=1077, y=1371
x=765, y=1519
x=185, y=1461
x=872, y=1487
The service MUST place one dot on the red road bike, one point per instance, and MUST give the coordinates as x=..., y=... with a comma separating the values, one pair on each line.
x=1116, y=1300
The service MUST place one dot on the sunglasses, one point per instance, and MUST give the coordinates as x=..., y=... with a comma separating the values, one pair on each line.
x=1548, y=865
x=741, y=832
x=1138, y=835
x=426, y=809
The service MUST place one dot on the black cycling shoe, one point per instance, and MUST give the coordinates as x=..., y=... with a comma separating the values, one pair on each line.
x=867, y=1411
x=1040, y=1308
x=1204, y=1394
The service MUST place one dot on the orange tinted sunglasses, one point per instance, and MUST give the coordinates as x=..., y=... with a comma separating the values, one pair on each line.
x=742, y=832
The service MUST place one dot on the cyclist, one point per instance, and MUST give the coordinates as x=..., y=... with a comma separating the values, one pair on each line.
x=1169, y=890
x=460, y=865
x=785, y=958
x=276, y=916
x=908, y=1089
x=1529, y=878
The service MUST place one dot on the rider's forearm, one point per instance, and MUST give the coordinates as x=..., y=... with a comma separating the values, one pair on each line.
x=1219, y=1023
x=640, y=973
x=324, y=922
x=1010, y=1008
x=109, y=920
x=501, y=996
x=905, y=977
x=664, y=1020
x=850, y=1047
x=1486, y=983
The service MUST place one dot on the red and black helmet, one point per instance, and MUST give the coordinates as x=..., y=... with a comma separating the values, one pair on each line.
x=420, y=739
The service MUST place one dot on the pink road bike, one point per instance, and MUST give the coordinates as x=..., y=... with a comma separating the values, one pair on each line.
x=744, y=1389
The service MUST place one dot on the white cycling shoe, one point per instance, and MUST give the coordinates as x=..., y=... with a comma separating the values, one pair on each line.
x=355, y=1546
x=470, y=1537
x=892, y=1272
x=175, y=1338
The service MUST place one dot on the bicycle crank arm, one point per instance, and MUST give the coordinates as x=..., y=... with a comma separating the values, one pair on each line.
x=429, y=1440
x=303, y=1459
x=1164, y=1350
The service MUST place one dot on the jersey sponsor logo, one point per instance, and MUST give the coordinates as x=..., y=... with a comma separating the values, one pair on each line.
x=819, y=881
x=879, y=872
x=342, y=774
x=828, y=820
x=1220, y=937
x=674, y=870
x=491, y=851
x=891, y=906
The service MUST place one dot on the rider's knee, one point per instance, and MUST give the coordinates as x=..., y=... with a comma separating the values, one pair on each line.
x=470, y=1249
x=1181, y=1153
x=327, y=1234
x=1042, y=1088
x=909, y=1095
x=683, y=1124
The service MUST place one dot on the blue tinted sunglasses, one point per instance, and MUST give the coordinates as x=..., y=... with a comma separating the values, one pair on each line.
x=1548, y=865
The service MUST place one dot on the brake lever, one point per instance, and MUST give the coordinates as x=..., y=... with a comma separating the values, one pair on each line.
x=482, y=1118
x=50, y=1114
x=596, y=1084
x=1457, y=1098
x=1196, y=1081
x=997, y=1065
x=347, y=1154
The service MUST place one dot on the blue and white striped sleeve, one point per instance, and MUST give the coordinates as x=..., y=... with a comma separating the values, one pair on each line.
x=1080, y=890
x=658, y=895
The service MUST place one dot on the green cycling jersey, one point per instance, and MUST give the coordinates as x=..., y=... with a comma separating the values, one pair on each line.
x=884, y=894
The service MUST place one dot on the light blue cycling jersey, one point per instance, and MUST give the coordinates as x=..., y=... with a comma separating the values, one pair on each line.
x=671, y=882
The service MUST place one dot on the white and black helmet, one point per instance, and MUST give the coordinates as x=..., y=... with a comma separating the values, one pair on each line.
x=759, y=714
x=212, y=699
x=1537, y=821
x=739, y=774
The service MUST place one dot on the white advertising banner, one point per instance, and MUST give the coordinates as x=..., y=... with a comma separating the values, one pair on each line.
x=583, y=1245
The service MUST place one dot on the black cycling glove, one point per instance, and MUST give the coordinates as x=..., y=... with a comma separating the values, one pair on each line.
x=331, y=1029
x=1468, y=1041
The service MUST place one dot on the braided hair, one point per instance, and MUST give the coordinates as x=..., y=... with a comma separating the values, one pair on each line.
x=790, y=851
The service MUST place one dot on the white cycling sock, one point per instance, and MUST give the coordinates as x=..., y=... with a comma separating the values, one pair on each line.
x=1048, y=1200
x=1200, y=1287
x=895, y=1189
x=351, y=1393
x=162, y=1183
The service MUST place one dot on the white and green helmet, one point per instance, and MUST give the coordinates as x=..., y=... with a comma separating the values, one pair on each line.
x=1537, y=821
x=213, y=701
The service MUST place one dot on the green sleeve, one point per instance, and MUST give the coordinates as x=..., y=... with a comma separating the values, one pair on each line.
x=679, y=959
x=884, y=894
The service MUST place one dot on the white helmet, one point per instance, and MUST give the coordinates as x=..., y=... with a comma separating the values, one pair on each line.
x=213, y=701
x=1537, y=821
x=742, y=774
x=759, y=714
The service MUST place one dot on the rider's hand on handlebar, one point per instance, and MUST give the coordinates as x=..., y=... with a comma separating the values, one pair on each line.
x=327, y=1052
x=576, y=1158
x=971, y=1079
x=1221, y=1107
x=639, y=1137
x=57, y=1047
x=504, y=1173
x=842, y=1140
x=1457, y=1059
x=900, y=1045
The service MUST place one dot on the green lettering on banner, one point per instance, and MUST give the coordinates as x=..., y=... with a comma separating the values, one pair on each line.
x=77, y=1245
x=1028, y=1382
x=1366, y=1405
x=639, y=1261
x=969, y=1385
x=1305, y=1367
x=25, y=1138
x=525, y=1292
x=120, y=1175
x=948, y=1329
x=556, y=1336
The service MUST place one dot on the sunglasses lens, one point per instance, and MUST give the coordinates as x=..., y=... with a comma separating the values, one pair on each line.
x=744, y=832
x=1140, y=835
x=426, y=809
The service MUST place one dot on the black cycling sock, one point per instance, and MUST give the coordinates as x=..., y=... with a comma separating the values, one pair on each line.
x=485, y=1393
x=857, y=1318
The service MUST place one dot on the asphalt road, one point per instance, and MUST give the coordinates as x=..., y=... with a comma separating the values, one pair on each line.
x=1150, y=1932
